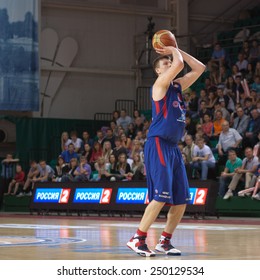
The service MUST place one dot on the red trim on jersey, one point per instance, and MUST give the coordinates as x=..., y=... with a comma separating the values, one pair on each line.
x=157, y=107
x=165, y=111
x=159, y=150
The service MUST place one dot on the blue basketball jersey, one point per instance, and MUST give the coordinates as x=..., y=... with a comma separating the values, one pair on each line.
x=168, y=115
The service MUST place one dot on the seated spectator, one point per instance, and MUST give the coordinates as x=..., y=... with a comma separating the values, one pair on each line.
x=77, y=142
x=114, y=128
x=126, y=142
x=107, y=151
x=217, y=124
x=256, y=150
x=124, y=168
x=207, y=125
x=226, y=176
x=33, y=173
x=65, y=141
x=254, y=52
x=222, y=96
x=218, y=57
x=137, y=114
x=139, y=124
x=69, y=154
x=223, y=75
x=230, y=85
x=203, y=96
x=137, y=168
x=136, y=148
x=253, y=185
x=187, y=165
x=250, y=138
x=140, y=137
x=180, y=146
x=190, y=126
x=203, y=158
x=131, y=132
x=83, y=171
x=60, y=169
x=86, y=140
x=7, y=173
x=241, y=63
x=193, y=105
x=203, y=110
x=225, y=113
x=99, y=138
x=209, y=85
x=112, y=168
x=229, y=138
x=17, y=181
x=188, y=149
x=256, y=84
x=109, y=137
x=239, y=87
x=69, y=177
x=254, y=97
x=200, y=134
x=87, y=153
x=46, y=173
x=96, y=153
x=115, y=116
x=124, y=120
x=103, y=169
x=241, y=121
x=249, y=166
x=248, y=106
x=245, y=49
x=119, y=149
x=213, y=98
x=235, y=71
x=249, y=74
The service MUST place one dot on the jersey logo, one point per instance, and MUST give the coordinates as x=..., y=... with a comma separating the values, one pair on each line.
x=175, y=104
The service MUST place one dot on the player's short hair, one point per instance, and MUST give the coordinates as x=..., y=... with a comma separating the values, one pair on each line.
x=158, y=59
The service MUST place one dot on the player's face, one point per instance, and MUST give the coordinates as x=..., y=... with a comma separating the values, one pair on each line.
x=164, y=65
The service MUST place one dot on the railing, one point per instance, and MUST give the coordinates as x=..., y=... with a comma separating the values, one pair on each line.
x=143, y=98
x=103, y=116
x=126, y=104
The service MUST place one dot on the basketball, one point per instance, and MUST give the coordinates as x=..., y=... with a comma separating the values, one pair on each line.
x=163, y=38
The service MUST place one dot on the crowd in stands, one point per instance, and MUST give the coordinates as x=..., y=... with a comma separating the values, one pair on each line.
x=222, y=136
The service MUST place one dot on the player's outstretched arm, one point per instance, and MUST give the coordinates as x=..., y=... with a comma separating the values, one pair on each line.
x=197, y=68
x=165, y=77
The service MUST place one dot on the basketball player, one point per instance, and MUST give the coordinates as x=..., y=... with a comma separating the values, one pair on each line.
x=166, y=176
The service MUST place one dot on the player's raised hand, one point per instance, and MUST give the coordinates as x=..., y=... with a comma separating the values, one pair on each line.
x=167, y=50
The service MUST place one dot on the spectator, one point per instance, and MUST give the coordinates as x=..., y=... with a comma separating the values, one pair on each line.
x=241, y=63
x=249, y=74
x=190, y=126
x=203, y=96
x=96, y=153
x=254, y=52
x=103, y=169
x=217, y=124
x=218, y=57
x=222, y=97
x=107, y=151
x=257, y=69
x=137, y=168
x=187, y=165
x=86, y=140
x=124, y=120
x=207, y=125
x=131, y=131
x=203, y=159
x=99, y=138
x=256, y=150
x=248, y=106
x=203, y=110
x=223, y=75
x=189, y=148
x=137, y=148
x=77, y=142
x=114, y=128
x=252, y=130
x=221, y=107
x=69, y=177
x=87, y=153
x=126, y=142
x=254, y=97
x=124, y=168
x=69, y=154
x=226, y=176
x=229, y=138
x=235, y=71
x=213, y=98
x=46, y=173
x=193, y=105
x=139, y=124
x=245, y=49
x=249, y=166
x=209, y=85
x=17, y=181
x=180, y=146
x=115, y=116
x=8, y=165
x=109, y=137
x=119, y=149
x=230, y=86
x=241, y=121
x=33, y=173
x=65, y=141
x=83, y=171
x=60, y=169
x=113, y=172
x=256, y=84
x=200, y=134
x=137, y=114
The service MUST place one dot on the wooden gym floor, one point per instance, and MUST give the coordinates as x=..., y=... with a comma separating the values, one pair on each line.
x=88, y=238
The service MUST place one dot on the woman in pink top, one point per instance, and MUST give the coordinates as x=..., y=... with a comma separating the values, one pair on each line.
x=207, y=125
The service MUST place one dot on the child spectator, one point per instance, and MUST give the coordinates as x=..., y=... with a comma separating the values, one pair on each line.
x=17, y=181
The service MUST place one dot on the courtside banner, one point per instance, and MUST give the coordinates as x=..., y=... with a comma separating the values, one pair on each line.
x=92, y=195
x=52, y=195
x=132, y=195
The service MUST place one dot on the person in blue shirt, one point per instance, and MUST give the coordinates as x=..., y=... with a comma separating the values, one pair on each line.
x=69, y=154
x=165, y=170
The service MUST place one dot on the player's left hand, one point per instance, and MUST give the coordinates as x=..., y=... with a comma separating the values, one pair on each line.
x=165, y=50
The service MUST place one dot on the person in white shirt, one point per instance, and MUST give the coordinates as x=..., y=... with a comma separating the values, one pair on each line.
x=203, y=158
x=75, y=141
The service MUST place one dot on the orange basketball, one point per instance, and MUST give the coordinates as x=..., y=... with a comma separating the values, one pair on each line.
x=163, y=38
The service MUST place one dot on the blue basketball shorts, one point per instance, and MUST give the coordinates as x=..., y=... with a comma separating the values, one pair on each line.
x=166, y=175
